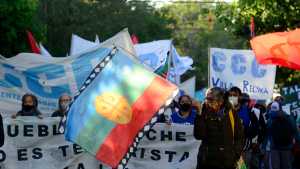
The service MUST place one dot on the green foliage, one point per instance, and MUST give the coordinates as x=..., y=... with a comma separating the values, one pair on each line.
x=269, y=16
x=17, y=16
x=103, y=17
x=195, y=29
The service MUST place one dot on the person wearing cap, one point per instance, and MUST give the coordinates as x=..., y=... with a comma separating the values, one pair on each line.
x=220, y=130
x=281, y=133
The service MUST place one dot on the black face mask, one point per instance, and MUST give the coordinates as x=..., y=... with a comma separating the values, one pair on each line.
x=185, y=106
x=27, y=107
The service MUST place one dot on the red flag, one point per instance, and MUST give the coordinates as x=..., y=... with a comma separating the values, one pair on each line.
x=252, y=27
x=280, y=48
x=32, y=43
x=134, y=39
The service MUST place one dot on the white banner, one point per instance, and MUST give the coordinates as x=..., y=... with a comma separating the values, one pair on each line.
x=188, y=86
x=49, y=77
x=239, y=68
x=34, y=143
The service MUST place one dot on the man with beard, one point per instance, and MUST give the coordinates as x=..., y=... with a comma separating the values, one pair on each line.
x=29, y=107
x=220, y=130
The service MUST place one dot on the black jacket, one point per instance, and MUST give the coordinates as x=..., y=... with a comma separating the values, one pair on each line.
x=1, y=132
x=218, y=140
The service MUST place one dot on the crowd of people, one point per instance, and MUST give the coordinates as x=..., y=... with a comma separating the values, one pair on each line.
x=232, y=129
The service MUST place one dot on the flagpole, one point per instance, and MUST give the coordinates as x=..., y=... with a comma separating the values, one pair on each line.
x=208, y=67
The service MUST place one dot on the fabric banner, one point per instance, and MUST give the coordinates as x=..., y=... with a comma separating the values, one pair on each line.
x=291, y=96
x=239, y=68
x=32, y=143
x=167, y=147
x=188, y=86
x=49, y=77
x=154, y=54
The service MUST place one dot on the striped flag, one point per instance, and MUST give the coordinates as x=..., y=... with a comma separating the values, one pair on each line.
x=115, y=106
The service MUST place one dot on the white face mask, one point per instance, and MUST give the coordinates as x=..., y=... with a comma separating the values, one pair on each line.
x=234, y=100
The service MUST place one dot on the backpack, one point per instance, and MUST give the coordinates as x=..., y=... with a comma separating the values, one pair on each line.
x=282, y=131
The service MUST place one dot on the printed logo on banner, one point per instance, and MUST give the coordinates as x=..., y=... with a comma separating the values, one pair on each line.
x=45, y=80
x=239, y=68
x=291, y=96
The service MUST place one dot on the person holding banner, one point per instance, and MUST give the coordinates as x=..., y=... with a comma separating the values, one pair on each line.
x=63, y=103
x=29, y=107
x=220, y=130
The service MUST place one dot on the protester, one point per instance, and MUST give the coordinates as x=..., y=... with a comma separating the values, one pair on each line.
x=255, y=135
x=1, y=132
x=282, y=131
x=63, y=104
x=186, y=111
x=235, y=97
x=29, y=107
x=220, y=130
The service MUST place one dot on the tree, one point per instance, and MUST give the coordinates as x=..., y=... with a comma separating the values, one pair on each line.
x=195, y=30
x=16, y=17
x=103, y=17
x=269, y=16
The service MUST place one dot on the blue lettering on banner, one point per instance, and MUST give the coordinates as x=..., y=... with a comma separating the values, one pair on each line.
x=238, y=64
x=217, y=59
x=219, y=83
x=249, y=88
x=256, y=70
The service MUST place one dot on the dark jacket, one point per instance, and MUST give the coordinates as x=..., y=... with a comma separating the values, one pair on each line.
x=257, y=128
x=293, y=130
x=1, y=132
x=218, y=141
x=33, y=112
x=58, y=113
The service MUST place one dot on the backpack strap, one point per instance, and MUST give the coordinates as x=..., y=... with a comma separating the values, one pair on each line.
x=231, y=121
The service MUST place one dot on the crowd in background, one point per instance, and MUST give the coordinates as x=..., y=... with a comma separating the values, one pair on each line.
x=233, y=130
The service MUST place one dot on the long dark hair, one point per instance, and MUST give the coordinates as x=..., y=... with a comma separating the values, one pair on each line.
x=34, y=99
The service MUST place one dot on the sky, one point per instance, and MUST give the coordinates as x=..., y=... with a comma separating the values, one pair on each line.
x=159, y=3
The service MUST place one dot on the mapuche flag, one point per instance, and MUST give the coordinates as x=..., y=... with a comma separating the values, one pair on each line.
x=280, y=48
x=115, y=106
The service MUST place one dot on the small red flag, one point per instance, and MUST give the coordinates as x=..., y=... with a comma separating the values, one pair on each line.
x=134, y=39
x=280, y=48
x=33, y=45
x=252, y=27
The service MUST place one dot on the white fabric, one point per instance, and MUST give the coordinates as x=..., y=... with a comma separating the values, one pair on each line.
x=188, y=86
x=32, y=143
x=230, y=67
x=49, y=77
x=44, y=51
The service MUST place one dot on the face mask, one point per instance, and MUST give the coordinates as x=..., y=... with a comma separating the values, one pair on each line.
x=64, y=106
x=27, y=107
x=185, y=106
x=233, y=100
